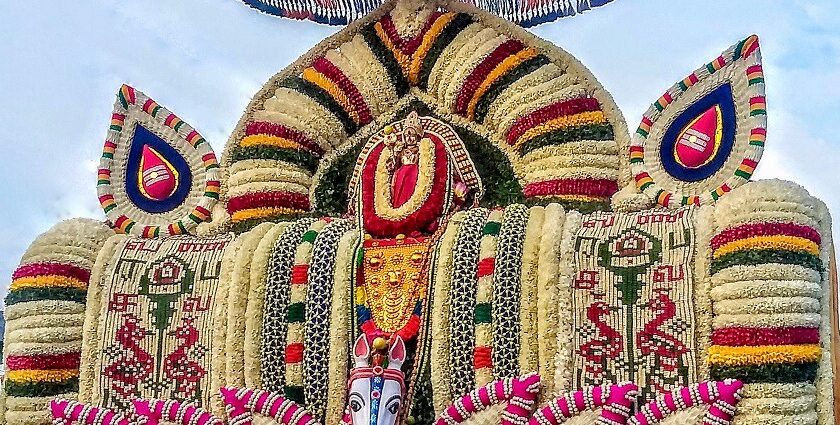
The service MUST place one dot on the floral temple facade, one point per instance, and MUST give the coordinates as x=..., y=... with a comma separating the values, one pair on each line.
x=434, y=217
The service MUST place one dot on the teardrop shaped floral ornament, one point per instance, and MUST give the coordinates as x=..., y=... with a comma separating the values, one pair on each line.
x=157, y=175
x=705, y=135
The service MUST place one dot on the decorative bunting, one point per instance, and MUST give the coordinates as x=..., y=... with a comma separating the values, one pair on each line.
x=342, y=12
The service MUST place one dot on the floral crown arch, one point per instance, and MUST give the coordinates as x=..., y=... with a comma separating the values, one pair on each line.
x=523, y=96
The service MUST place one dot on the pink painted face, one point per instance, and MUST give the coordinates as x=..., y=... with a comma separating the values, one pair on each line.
x=156, y=178
x=375, y=392
x=698, y=143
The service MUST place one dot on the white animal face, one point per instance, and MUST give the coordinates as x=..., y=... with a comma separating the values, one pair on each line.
x=359, y=401
x=375, y=393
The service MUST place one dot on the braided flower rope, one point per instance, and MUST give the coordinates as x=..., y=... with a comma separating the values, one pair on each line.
x=615, y=402
x=241, y=404
x=519, y=393
x=155, y=412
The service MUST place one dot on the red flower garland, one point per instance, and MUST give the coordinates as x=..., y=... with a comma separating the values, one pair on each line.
x=279, y=130
x=324, y=66
x=468, y=89
x=44, y=269
x=765, y=229
x=601, y=188
x=298, y=201
x=743, y=336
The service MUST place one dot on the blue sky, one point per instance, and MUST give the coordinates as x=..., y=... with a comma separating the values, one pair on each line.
x=62, y=62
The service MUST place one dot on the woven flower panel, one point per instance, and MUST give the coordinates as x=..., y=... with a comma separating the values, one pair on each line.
x=150, y=327
x=529, y=98
x=157, y=176
x=633, y=315
x=769, y=259
x=705, y=135
x=44, y=317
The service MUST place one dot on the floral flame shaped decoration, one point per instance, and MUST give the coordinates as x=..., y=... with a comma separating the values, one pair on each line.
x=157, y=175
x=705, y=135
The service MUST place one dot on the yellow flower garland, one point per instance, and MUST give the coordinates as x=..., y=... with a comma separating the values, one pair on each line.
x=506, y=65
x=43, y=376
x=263, y=212
x=566, y=121
x=468, y=58
x=403, y=59
x=269, y=140
x=544, y=86
x=428, y=41
x=53, y=281
x=342, y=60
x=792, y=243
x=756, y=355
x=441, y=67
x=321, y=80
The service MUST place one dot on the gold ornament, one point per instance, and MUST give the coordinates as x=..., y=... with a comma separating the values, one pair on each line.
x=392, y=281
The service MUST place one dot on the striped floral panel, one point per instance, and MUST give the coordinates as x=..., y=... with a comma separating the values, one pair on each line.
x=45, y=313
x=276, y=311
x=768, y=268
